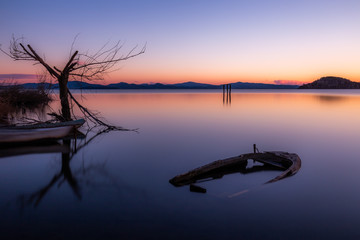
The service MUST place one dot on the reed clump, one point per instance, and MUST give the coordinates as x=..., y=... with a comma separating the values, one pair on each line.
x=16, y=101
x=5, y=110
x=18, y=97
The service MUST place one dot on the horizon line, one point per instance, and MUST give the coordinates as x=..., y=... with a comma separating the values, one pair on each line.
x=29, y=78
x=94, y=82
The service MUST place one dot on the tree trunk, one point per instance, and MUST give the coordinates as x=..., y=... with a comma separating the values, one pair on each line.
x=64, y=99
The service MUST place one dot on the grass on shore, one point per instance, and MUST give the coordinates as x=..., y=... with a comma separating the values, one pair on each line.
x=15, y=98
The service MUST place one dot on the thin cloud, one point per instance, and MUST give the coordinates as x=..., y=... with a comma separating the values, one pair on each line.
x=288, y=82
x=18, y=76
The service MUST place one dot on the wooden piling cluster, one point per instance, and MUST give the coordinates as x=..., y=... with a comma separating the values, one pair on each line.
x=227, y=93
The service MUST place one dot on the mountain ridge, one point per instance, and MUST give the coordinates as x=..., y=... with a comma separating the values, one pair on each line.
x=184, y=85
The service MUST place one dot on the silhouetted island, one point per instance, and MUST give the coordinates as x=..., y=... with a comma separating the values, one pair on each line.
x=331, y=83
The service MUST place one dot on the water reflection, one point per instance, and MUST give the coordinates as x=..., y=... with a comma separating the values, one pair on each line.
x=68, y=148
x=64, y=175
x=52, y=146
x=330, y=99
x=227, y=94
x=183, y=130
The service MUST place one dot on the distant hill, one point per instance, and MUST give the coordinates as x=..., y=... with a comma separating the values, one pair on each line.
x=331, y=83
x=185, y=85
x=194, y=85
x=33, y=85
x=124, y=85
x=246, y=85
x=83, y=85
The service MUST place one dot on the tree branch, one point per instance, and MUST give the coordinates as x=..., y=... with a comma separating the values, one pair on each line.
x=97, y=65
x=111, y=60
x=57, y=69
x=22, y=46
x=93, y=118
x=40, y=60
x=70, y=62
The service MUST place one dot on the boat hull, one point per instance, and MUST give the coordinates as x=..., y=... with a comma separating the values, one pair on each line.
x=25, y=135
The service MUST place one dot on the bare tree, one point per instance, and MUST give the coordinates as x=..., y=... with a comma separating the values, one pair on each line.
x=79, y=66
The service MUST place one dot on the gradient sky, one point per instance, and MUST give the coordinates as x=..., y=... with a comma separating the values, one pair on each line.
x=194, y=40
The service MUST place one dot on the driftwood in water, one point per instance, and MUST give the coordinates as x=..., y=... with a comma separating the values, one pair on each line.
x=289, y=162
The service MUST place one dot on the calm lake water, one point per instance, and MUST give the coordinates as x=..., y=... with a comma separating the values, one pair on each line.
x=117, y=186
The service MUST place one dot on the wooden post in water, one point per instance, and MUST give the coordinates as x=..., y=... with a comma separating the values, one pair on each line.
x=230, y=95
x=223, y=86
x=227, y=93
x=254, y=148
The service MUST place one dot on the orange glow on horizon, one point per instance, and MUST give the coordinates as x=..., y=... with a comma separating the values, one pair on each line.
x=130, y=73
x=223, y=78
x=216, y=79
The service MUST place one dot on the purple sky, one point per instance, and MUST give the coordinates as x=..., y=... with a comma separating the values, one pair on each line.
x=204, y=41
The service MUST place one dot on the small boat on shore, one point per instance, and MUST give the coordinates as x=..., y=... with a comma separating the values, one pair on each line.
x=288, y=163
x=26, y=133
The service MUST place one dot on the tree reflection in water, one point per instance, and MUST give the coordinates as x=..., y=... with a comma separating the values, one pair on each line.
x=66, y=174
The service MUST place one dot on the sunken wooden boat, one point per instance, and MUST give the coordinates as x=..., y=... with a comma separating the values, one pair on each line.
x=288, y=163
x=26, y=133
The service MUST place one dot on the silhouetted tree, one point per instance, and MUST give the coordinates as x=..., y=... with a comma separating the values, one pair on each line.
x=80, y=66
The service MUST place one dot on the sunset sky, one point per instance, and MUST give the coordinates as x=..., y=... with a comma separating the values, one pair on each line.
x=193, y=40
